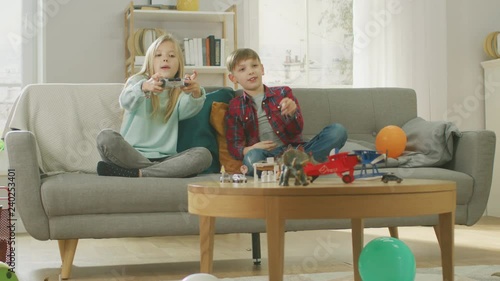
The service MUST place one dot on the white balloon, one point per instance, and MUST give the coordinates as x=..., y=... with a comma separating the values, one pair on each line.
x=201, y=277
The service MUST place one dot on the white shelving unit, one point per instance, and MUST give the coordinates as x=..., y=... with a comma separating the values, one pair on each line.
x=182, y=22
x=492, y=115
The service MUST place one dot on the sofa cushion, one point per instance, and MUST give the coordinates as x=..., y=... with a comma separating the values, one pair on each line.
x=197, y=131
x=429, y=143
x=85, y=194
x=88, y=194
x=230, y=164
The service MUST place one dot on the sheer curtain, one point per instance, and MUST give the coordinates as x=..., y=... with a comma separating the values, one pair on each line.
x=402, y=43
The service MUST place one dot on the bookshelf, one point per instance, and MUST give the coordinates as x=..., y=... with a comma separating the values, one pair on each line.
x=183, y=24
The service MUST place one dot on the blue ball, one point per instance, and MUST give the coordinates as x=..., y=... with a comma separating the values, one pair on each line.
x=387, y=259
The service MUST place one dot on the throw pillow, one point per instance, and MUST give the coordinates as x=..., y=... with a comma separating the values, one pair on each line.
x=197, y=132
x=230, y=164
x=428, y=143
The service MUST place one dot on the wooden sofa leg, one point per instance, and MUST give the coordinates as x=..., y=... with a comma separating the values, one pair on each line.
x=393, y=230
x=61, y=249
x=67, y=249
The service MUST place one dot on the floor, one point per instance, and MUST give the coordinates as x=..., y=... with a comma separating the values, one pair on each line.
x=173, y=258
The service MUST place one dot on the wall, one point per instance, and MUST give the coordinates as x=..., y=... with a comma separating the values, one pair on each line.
x=84, y=40
x=468, y=23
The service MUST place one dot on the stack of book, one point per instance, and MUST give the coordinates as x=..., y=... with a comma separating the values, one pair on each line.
x=209, y=51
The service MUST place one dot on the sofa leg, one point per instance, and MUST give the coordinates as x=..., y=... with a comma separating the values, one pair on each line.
x=256, y=248
x=61, y=249
x=393, y=230
x=67, y=249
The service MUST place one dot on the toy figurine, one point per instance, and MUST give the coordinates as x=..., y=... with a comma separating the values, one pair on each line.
x=292, y=164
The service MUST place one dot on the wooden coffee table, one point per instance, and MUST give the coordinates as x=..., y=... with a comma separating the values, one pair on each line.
x=323, y=199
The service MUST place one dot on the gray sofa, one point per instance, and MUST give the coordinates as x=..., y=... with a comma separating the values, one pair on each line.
x=52, y=150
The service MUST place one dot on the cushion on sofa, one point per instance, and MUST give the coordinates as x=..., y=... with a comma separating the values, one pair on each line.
x=429, y=143
x=230, y=164
x=197, y=131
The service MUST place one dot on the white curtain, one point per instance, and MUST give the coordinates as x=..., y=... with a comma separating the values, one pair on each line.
x=402, y=43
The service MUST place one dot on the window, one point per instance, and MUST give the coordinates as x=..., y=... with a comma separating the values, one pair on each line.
x=308, y=43
x=10, y=57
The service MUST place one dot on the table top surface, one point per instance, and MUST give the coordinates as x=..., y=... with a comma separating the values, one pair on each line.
x=330, y=186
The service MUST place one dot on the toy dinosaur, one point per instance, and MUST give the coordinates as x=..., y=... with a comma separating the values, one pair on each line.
x=292, y=164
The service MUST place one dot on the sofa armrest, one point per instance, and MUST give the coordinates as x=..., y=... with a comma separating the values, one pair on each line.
x=474, y=155
x=21, y=146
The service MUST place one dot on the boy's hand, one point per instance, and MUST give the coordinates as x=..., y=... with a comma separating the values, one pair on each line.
x=288, y=107
x=192, y=85
x=267, y=145
x=153, y=84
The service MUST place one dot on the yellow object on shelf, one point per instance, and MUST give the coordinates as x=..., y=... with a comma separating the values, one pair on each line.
x=188, y=5
x=490, y=46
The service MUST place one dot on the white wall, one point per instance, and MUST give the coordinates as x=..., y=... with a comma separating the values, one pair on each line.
x=84, y=40
x=468, y=22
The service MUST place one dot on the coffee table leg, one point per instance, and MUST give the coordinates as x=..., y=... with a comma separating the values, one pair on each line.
x=357, y=226
x=275, y=227
x=446, y=233
x=207, y=232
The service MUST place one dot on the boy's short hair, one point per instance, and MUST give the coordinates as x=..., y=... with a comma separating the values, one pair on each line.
x=238, y=55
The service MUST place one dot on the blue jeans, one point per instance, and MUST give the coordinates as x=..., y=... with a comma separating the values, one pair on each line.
x=331, y=137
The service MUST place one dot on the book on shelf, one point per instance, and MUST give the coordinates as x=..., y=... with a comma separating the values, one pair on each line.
x=155, y=7
x=211, y=40
x=209, y=51
x=185, y=50
x=217, y=52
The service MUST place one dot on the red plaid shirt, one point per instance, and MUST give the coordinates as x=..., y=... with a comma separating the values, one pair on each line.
x=242, y=128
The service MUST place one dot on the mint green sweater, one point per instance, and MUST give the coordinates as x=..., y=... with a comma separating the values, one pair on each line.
x=150, y=135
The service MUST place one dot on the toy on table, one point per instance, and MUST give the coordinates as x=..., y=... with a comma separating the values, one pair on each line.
x=391, y=177
x=340, y=164
x=369, y=157
x=269, y=170
x=228, y=177
x=292, y=163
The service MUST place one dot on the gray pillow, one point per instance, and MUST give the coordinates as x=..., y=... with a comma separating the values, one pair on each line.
x=428, y=143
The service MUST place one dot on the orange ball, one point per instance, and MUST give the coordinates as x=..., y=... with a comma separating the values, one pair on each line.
x=391, y=140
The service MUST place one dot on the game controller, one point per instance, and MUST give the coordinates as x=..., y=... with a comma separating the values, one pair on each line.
x=172, y=83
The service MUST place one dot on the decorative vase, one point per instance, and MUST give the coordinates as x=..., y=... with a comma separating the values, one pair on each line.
x=188, y=5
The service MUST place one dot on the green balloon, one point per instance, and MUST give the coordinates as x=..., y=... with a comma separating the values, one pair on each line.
x=386, y=259
x=6, y=274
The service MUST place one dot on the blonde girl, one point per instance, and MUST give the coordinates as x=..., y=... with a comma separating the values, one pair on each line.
x=147, y=143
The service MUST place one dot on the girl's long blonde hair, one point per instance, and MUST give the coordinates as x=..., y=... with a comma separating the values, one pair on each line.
x=148, y=70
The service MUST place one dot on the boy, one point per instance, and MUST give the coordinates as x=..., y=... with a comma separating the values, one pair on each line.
x=264, y=120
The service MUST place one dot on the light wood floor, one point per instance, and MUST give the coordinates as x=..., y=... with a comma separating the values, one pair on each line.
x=173, y=258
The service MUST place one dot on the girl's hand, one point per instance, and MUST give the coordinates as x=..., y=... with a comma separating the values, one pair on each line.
x=288, y=107
x=192, y=85
x=153, y=84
